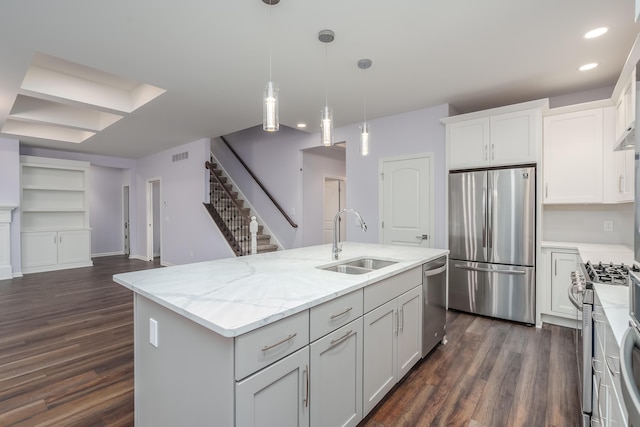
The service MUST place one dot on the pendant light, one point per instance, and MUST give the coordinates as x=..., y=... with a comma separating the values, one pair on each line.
x=364, y=64
x=326, y=123
x=270, y=105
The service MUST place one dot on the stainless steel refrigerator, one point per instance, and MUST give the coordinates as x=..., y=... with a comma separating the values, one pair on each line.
x=492, y=242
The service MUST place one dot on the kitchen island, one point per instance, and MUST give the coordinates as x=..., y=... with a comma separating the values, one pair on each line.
x=243, y=340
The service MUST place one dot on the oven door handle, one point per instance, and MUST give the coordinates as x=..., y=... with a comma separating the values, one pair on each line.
x=629, y=387
x=573, y=299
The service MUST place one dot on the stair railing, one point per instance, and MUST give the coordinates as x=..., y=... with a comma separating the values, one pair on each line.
x=255, y=178
x=234, y=223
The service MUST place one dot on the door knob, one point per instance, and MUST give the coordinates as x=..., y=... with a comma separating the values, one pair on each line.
x=423, y=237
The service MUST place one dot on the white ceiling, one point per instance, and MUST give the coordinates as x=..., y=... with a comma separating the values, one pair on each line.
x=212, y=58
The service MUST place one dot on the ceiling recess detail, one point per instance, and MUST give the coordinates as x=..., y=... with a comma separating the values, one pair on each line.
x=65, y=101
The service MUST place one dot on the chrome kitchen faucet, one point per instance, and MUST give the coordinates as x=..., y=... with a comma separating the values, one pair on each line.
x=337, y=246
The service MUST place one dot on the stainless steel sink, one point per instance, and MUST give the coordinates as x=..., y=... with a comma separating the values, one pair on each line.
x=371, y=263
x=359, y=266
x=347, y=269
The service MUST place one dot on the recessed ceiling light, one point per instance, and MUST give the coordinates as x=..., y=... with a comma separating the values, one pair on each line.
x=590, y=66
x=596, y=33
x=302, y=125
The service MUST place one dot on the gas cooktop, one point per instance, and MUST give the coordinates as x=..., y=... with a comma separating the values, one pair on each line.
x=609, y=274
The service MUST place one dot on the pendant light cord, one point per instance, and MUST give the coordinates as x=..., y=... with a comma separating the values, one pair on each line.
x=365, y=96
x=326, y=74
x=270, y=7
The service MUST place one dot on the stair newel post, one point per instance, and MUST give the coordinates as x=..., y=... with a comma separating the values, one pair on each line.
x=253, y=228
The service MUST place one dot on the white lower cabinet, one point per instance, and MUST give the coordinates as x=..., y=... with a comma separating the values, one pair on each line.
x=392, y=344
x=562, y=265
x=336, y=377
x=54, y=250
x=608, y=405
x=278, y=395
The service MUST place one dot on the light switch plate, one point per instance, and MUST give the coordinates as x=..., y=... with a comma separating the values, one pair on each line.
x=608, y=226
x=153, y=332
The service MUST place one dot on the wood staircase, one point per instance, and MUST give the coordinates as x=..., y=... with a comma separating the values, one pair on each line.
x=231, y=216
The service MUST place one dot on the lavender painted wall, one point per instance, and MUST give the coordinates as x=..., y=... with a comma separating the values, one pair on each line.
x=188, y=232
x=10, y=195
x=315, y=167
x=276, y=160
x=105, y=207
x=414, y=132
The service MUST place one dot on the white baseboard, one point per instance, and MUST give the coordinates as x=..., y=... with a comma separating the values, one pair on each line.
x=166, y=264
x=107, y=254
x=17, y=274
x=140, y=257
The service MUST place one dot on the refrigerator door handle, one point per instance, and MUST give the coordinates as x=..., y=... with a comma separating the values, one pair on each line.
x=489, y=270
x=484, y=220
x=489, y=216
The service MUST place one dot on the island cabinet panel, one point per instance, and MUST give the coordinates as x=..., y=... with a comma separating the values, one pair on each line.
x=277, y=395
x=333, y=314
x=380, y=354
x=385, y=290
x=187, y=380
x=261, y=347
x=409, y=330
x=392, y=344
x=336, y=377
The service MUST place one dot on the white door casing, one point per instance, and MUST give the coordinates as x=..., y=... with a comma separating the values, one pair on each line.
x=126, y=223
x=334, y=201
x=151, y=222
x=406, y=200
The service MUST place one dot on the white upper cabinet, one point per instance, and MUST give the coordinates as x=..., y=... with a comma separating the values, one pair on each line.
x=618, y=166
x=579, y=163
x=625, y=111
x=514, y=137
x=572, y=157
x=468, y=143
x=501, y=136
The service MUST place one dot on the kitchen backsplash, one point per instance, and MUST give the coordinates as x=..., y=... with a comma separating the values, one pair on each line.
x=586, y=223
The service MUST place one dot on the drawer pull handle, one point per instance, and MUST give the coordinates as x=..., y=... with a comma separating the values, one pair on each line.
x=606, y=359
x=306, y=396
x=594, y=362
x=333, y=316
x=289, y=338
x=342, y=338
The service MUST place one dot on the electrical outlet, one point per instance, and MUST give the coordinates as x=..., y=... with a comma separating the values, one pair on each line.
x=608, y=226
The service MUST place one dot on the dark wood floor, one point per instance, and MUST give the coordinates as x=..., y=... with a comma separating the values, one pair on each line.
x=66, y=359
x=491, y=373
x=66, y=347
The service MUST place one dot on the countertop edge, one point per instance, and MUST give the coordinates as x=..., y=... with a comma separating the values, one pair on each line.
x=367, y=279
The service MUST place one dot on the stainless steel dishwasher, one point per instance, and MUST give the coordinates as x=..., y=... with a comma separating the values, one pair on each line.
x=434, y=309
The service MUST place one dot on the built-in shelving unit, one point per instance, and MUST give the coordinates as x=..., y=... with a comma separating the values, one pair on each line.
x=55, y=214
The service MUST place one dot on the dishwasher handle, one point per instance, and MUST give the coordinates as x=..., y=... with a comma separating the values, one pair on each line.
x=435, y=271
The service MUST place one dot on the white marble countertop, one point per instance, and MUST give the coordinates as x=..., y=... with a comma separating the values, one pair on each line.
x=615, y=302
x=596, y=252
x=236, y=295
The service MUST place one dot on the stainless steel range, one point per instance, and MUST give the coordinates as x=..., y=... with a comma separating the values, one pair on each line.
x=581, y=295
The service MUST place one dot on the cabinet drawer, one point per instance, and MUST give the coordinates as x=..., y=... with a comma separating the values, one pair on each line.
x=333, y=314
x=377, y=294
x=261, y=347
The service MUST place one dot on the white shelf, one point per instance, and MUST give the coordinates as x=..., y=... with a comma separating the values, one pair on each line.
x=54, y=202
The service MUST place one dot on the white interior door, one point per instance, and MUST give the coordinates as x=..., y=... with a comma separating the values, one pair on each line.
x=334, y=201
x=407, y=201
x=153, y=219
